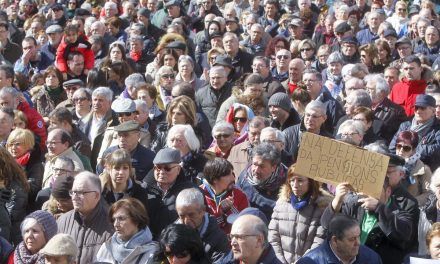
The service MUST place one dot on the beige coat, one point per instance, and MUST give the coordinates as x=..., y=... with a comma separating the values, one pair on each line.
x=292, y=232
x=422, y=174
x=50, y=161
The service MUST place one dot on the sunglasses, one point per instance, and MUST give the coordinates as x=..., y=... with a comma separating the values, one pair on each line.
x=125, y=114
x=164, y=168
x=168, y=76
x=222, y=136
x=403, y=147
x=306, y=49
x=184, y=254
x=79, y=99
x=282, y=57
x=240, y=119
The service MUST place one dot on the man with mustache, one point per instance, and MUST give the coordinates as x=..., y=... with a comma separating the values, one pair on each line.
x=222, y=198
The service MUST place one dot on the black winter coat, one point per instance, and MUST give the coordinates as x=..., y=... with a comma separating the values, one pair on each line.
x=392, y=116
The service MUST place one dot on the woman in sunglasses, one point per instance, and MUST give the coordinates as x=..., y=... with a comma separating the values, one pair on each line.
x=239, y=116
x=418, y=175
x=307, y=49
x=132, y=241
x=181, y=244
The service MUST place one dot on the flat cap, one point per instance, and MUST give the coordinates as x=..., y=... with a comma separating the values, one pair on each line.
x=172, y=3
x=389, y=33
x=73, y=82
x=296, y=22
x=342, y=27
x=223, y=60
x=123, y=105
x=403, y=40
x=167, y=156
x=127, y=126
x=425, y=100
x=54, y=29
x=60, y=245
x=351, y=39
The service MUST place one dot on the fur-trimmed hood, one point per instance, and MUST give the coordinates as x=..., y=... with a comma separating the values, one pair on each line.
x=323, y=200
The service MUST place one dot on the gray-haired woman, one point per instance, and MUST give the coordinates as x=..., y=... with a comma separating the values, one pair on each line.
x=186, y=72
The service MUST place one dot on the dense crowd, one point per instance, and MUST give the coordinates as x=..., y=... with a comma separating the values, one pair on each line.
x=146, y=131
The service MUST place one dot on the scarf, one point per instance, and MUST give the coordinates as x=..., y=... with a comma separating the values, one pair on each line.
x=410, y=163
x=136, y=56
x=154, y=112
x=271, y=183
x=220, y=154
x=422, y=129
x=54, y=93
x=216, y=197
x=299, y=203
x=23, y=160
x=166, y=96
x=121, y=249
x=23, y=256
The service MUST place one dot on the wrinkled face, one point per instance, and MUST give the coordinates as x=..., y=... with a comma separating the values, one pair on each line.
x=271, y=138
x=244, y=242
x=423, y=114
x=120, y=174
x=283, y=58
x=6, y=125
x=100, y=104
x=128, y=140
x=391, y=77
x=260, y=67
x=349, y=245
x=190, y=215
x=295, y=71
x=374, y=22
x=166, y=173
x=431, y=36
x=262, y=169
x=97, y=29
x=256, y=34
x=125, y=227
x=351, y=135
x=421, y=28
x=299, y=185
x=217, y=80
x=84, y=198
x=62, y=169
x=34, y=239
x=185, y=67
x=313, y=119
x=404, y=50
x=178, y=141
x=224, y=138
x=54, y=144
x=254, y=135
x=230, y=44
x=412, y=71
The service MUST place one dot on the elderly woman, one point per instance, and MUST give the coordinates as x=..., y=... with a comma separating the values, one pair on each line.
x=333, y=74
x=399, y=20
x=239, y=116
x=82, y=100
x=418, y=174
x=183, y=138
x=295, y=223
x=51, y=93
x=132, y=241
x=366, y=116
x=352, y=132
x=223, y=134
x=21, y=145
x=12, y=181
x=186, y=72
x=37, y=229
x=182, y=244
x=131, y=83
x=164, y=81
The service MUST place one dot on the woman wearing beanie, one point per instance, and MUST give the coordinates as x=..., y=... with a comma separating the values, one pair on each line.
x=37, y=228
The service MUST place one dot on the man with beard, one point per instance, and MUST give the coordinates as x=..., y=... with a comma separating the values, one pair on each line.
x=222, y=198
x=262, y=179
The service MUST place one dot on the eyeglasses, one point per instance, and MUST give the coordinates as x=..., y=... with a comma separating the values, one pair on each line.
x=403, y=147
x=168, y=76
x=164, y=168
x=349, y=134
x=271, y=141
x=79, y=99
x=61, y=170
x=240, y=119
x=239, y=237
x=124, y=114
x=283, y=57
x=51, y=143
x=306, y=49
x=222, y=136
x=181, y=255
x=258, y=66
x=312, y=116
x=79, y=193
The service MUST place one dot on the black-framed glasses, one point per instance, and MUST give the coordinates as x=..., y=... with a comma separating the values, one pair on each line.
x=164, y=168
x=79, y=193
x=222, y=136
x=240, y=237
x=168, y=76
x=403, y=147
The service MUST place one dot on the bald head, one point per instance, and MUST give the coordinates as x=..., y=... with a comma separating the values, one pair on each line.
x=296, y=68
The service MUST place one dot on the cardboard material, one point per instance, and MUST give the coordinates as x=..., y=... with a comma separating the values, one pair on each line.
x=413, y=260
x=331, y=161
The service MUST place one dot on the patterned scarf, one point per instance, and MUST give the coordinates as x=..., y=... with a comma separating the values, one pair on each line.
x=23, y=256
x=410, y=163
x=121, y=249
x=422, y=129
x=271, y=183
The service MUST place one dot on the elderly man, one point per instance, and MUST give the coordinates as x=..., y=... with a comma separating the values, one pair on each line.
x=60, y=249
x=296, y=30
x=132, y=82
x=431, y=46
x=261, y=66
x=249, y=241
x=88, y=223
x=296, y=69
x=282, y=112
x=209, y=98
x=128, y=135
x=12, y=98
x=98, y=28
x=190, y=206
x=240, y=155
x=384, y=109
x=256, y=43
x=96, y=122
x=404, y=93
x=54, y=34
x=428, y=129
x=223, y=133
x=262, y=179
x=164, y=183
x=282, y=61
x=369, y=35
x=314, y=118
x=313, y=81
x=276, y=138
x=354, y=84
x=70, y=88
x=240, y=59
x=32, y=61
x=59, y=144
x=394, y=215
x=342, y=245
x=6, y=124
x=222, y=198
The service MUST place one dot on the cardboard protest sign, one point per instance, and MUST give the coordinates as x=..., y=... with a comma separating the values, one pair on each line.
x=330, y=161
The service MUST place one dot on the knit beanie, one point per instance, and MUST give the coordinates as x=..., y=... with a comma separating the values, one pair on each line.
x=61, y=187
x=281, y=100
x=47, y=221
x=253, y=79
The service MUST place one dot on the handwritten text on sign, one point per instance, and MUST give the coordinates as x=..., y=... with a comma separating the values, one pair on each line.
x=333, y=162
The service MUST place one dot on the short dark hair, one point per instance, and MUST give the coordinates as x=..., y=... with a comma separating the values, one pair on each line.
x=71, y=28
x=216, y=168
x=62, y=114
x=9, y=71
x=263, y=59
x=73, y=54
x=4, y=25
x=314, y=72
x=135, y=209
x=184, y=88
x=413, y=58
x=339, y=224
x=65, y=137
x=180, y=238
x=30, y=38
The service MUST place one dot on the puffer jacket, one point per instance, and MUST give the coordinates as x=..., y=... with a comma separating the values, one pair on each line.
x=292, y=232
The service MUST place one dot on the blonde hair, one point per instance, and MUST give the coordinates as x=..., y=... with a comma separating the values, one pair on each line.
x=21, y=116
x=24, y=136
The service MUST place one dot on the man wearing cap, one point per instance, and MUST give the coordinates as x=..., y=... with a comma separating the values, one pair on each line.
x=369, y=34
x=11, y=51
x=174, y=10
x=165, y=181
x=54, y=34
x=349, y=50
x=60, y=249
x=388, y=224
x=296, y=30
x=404, y=49
x=404, y=93
x=428, y=129
x=70, y=87
x=342, y=30
x=282, y=112
x=128, y=136
x=390, y=36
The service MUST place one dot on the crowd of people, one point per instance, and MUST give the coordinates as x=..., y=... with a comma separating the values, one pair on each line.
x=146, y=131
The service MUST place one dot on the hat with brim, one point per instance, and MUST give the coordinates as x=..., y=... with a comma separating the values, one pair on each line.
x=73, y=82
x=296, y=22
x=54, y=29
x=127, y=126
x=425, y=100
x=172, y=3
x=342, y=27
x=351, y=40
x=395, y=160
x=167, y=156
x=123, y=105
x=60, y=245
x=390, y=33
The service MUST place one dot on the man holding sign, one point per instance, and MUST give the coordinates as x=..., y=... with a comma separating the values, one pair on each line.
x=388, y=224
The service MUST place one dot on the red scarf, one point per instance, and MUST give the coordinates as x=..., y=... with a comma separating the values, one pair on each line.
x=23, y=160
x=220, y=154
x=135, y=55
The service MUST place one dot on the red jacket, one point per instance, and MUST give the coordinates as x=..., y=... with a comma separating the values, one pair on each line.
x=83, y=47
x=35, y=122
x=404, y=93
x=240, y=202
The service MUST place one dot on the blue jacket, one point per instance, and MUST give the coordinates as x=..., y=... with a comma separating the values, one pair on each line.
x=365, y=36
x=323, y=255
